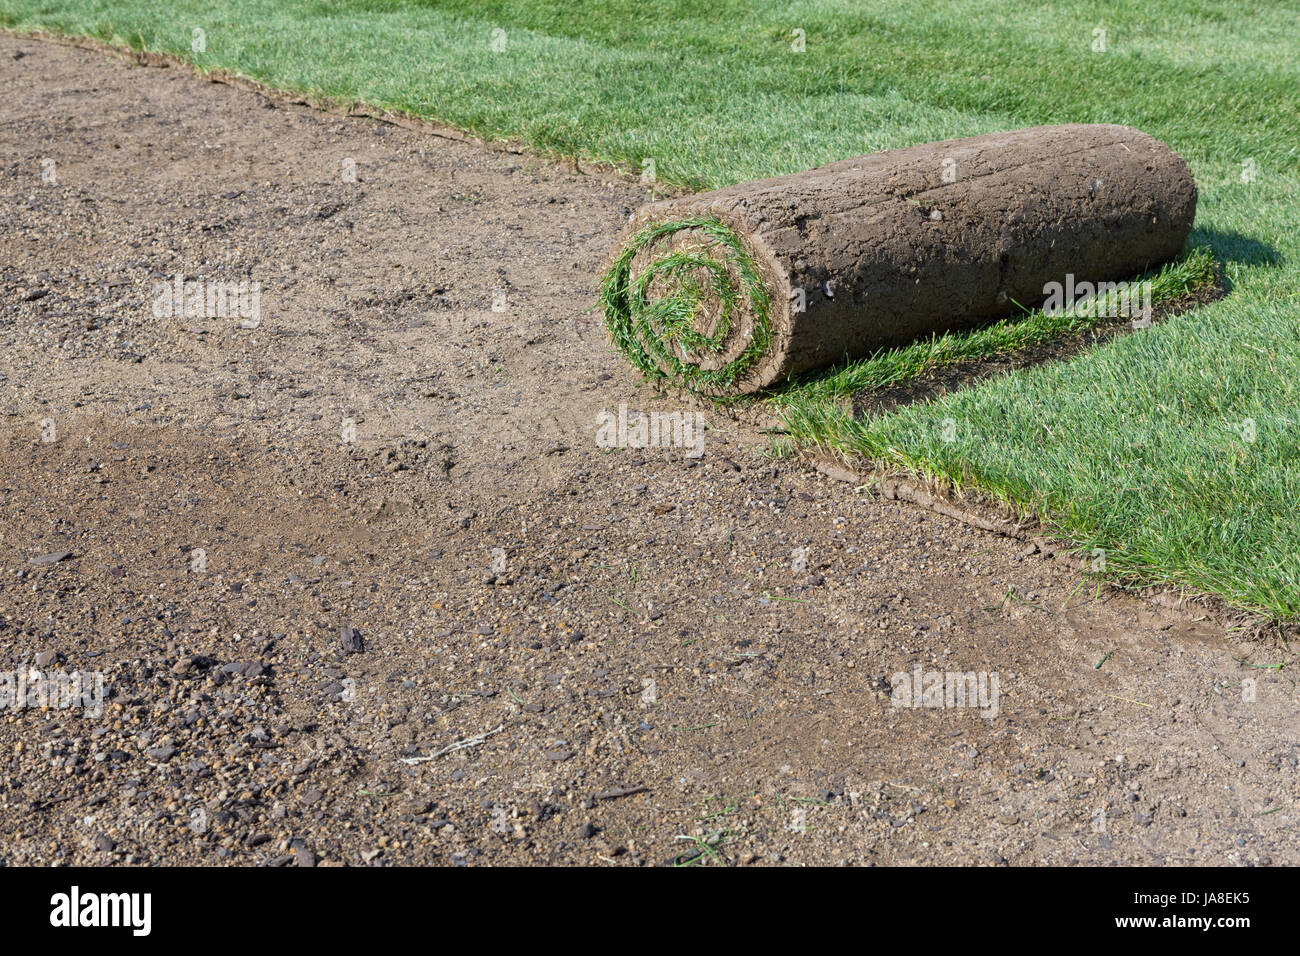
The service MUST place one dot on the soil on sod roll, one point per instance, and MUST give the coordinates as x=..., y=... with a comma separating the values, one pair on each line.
x=735, y=290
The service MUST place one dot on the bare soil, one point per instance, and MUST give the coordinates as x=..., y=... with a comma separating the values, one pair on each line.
x=514, y=587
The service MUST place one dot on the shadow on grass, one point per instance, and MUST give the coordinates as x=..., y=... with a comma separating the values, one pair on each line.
x=938, y=381
x=1234, y=247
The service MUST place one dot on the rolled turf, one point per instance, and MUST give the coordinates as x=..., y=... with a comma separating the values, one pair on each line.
x=733, y=291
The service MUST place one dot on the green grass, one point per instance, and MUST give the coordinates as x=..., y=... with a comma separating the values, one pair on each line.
x=1136, y=447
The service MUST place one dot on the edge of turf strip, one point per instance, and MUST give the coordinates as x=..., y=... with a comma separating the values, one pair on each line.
x=816, y=420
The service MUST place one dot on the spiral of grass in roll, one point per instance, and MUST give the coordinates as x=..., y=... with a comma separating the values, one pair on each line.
x=685, y=300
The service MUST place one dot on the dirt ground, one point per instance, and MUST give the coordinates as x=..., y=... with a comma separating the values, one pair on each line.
x=636, y=660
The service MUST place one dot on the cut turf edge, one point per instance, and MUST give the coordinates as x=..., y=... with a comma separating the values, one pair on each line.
x=986, y=511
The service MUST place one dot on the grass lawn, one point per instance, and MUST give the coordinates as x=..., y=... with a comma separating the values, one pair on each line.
x=1176, y=450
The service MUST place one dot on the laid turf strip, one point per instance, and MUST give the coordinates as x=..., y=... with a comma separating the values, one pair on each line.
x=735, y=290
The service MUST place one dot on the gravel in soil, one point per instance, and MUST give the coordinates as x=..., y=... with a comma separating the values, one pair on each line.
x=364, y=589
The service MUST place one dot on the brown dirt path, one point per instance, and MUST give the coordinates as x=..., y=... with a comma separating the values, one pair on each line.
x=237, y=730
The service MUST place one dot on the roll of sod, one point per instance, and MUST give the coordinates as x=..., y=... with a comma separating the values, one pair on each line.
x=736, y=290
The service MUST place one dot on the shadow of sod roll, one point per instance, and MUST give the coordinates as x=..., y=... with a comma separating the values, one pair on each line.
x=734, y=291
